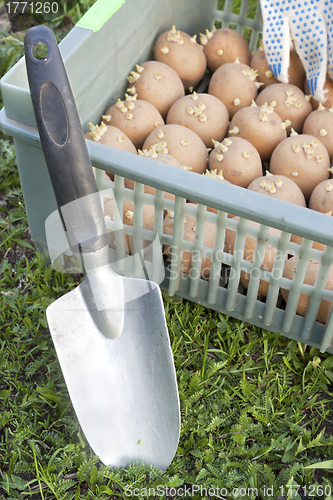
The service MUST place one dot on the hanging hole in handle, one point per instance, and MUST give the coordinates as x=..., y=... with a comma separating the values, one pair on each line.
x=39, y=51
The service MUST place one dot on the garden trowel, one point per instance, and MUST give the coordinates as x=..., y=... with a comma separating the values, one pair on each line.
x=110, y=332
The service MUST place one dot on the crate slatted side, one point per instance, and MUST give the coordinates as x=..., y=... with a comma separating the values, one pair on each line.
x=326, y=342
x=297, y=282
x=158, y=232
x=237, y=260
x=217, y=260
x=274, y=288
x=227, y=298
x=118, y=222
x=228, y=19
x=318, y=288
x=198, y=251
x=255, y=272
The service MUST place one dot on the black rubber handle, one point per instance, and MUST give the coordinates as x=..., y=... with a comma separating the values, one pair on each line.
x=63, y=142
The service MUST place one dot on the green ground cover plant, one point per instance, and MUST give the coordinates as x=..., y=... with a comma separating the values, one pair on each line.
x=256, y=408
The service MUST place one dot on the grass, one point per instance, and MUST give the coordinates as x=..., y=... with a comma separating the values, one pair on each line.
x=256, y=408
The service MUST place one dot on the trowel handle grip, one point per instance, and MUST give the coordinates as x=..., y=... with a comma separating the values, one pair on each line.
x=63, y=142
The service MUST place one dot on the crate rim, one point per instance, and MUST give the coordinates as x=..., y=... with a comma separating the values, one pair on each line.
x=230, y=198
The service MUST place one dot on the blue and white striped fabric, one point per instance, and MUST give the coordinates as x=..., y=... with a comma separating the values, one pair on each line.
x=308, y=24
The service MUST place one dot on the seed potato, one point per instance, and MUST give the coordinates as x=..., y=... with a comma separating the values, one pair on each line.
x=278, y=187
x=161, y=157
x=235, y=84
x=223, y=46
x=261, y=126
x=239, y=161
x=328, y=87
x=321, y=198
x=290, y=103
x=309, y=279
x=136, y=118
x=181, y=143
x=205, y=114
x=110, y=136
x=182, y=52
x=302, y=158
x=282, y=188
x=158, y=84
x=296, y=70
x=319, y=123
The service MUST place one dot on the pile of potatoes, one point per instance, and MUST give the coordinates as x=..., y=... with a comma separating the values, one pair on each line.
x=245, y=124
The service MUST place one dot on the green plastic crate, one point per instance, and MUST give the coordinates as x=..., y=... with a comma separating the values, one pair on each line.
x=98, y=55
